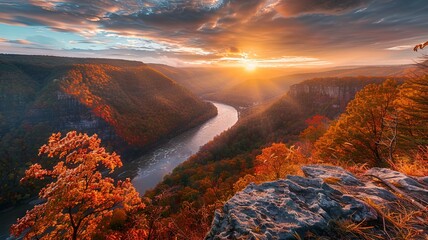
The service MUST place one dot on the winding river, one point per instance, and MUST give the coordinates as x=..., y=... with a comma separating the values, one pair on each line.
x=149, y=169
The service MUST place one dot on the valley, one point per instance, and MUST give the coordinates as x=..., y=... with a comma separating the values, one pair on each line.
x=148, y=170
x=214, y=119
x=198, y=165
x=129, y=105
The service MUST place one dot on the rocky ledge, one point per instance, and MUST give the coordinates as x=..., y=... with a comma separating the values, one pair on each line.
x=297, y=207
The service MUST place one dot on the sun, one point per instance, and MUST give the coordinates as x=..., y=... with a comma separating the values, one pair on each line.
x=250, y=66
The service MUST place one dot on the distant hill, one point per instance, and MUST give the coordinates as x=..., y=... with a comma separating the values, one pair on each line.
x=230, y=156
x=203, y=81
x=128, y=104
x=244, y=89
x=254, y=91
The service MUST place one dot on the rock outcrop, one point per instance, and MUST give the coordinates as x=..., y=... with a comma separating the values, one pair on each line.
x=292, y=207
x=332, y=93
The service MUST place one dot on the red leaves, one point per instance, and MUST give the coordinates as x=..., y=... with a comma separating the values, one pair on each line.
x=79, y=198
x=317, y=120
x=317, y=126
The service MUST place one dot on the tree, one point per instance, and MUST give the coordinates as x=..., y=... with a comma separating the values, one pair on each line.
x=274, y=161
x=413, y=109
x=317, y=126
x=365, y=132
x=78, y=198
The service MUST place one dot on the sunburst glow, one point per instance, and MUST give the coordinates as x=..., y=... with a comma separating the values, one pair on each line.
x=250, y=66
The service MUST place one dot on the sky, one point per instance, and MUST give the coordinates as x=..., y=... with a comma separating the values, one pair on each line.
x=262, y=33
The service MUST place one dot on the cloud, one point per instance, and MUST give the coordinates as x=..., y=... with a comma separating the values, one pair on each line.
x=292, y=8
x=208, y=30
x=400, y=48
x=15, y=41
x=20, y=41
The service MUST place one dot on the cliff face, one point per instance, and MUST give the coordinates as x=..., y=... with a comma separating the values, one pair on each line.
x=316, y=204
x=332, y=94
x=128, y=104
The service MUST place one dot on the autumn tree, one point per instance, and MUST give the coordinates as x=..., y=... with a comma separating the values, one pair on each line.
x=317, y=126
x=275, y=161
x=78, y=198
x=363, y=131
x=413, y=109
x=244, y=181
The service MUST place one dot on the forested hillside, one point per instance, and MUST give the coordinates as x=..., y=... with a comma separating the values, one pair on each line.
x=128, y=104
x=208, y=178
x=265, y=146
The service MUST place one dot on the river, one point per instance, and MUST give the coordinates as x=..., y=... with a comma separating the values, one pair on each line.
x=148, y=170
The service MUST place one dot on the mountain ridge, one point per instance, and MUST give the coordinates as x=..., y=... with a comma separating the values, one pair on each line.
x=128, y=104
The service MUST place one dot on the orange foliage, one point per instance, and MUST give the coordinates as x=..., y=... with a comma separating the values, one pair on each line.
x=276, y=161
x=244, y=181
x=420, y=46
x=360, y=134
x=120, y=96
x=415, y=165
x=317, y=126
x=273, y=163
x=79, y=198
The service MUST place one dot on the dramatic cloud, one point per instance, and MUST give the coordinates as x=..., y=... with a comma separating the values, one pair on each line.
x=329, y=7
x=220, y=31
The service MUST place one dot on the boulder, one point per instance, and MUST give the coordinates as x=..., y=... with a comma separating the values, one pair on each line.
x=295, y=205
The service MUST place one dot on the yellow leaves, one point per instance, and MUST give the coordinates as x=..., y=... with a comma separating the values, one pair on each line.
x=243, y=182
x=274, y=161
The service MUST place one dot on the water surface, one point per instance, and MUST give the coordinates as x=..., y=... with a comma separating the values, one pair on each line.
x=152, y=167
x=148, y=170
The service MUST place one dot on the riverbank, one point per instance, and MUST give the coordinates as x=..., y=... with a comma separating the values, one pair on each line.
x=148, y=170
